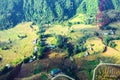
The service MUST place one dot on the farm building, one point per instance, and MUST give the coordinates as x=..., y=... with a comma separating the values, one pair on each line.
x=55, y=72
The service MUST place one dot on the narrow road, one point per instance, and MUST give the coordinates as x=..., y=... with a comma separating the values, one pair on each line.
x=62, y=75
x=101, y=64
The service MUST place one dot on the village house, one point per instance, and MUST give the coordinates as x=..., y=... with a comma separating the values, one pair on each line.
x=52, y=46
x=87, y=53
x=55, y=72
x=35, y=49
x=35, y=41
x=112, y=32
x=8, y=66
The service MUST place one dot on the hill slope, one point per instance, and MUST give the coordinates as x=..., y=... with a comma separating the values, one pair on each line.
x=42, y=11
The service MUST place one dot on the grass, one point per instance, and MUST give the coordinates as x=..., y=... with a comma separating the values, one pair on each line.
x=78, y=32
x=19, y=47
x=25, y=47
x=98, y=46
x=51, y=40
x=57, y=30
x=79, y=55
x=78, y=18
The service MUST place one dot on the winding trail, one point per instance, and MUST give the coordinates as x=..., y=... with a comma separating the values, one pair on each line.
x=62, y=75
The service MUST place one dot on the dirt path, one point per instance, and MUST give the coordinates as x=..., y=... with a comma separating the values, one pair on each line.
x=62, y=75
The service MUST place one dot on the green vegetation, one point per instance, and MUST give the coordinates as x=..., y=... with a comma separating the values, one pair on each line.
x=13, y=46
x=107, y=39
x=72, y=45
x=38, y=69
x=112, y=44
x=44, y=76
x=50, y=11
x=26, y=60
x=61, y=41
x=6, y=70
x=41, y=51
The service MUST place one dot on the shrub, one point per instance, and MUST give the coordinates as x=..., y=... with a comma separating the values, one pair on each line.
x=22, y=36
x=26, y=60
x=44, y=76
x=6, y=70
x=112, y=44
x=106, y=40
x=36, y=71
x=41, y=51
x=117, y=38
x=69, y=24
x=69, y=49
x=1, y=58
x=76, y=49
x=106, y=27
x=34, y=53
x=61, y=41
x=5, y=48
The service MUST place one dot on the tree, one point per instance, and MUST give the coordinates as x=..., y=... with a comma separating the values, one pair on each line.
x=26, y=60
x=107, y=39
x=41, y=51
x=61, y=41
x=69, y=24
x=112, y=44
x=76, y=49
x=69, y=49
x=59, y=10
x=82, y=48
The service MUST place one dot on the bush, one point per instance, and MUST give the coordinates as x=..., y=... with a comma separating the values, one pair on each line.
x=1, y=58
x=79, y=48
x=117, y=38
x=41, y=51
x=82, y=39
x=36, y=71
x=107, y=39
x=69, y=24
x=76, y=49
x=106, y=27
x=22, y=36
x=112, y=44
x=26, y=60
x=34, y=53
x=69, y=49
x=44, y=76
x=5, y=47
x=61, y=41
x=82, y=48
x=6, y=70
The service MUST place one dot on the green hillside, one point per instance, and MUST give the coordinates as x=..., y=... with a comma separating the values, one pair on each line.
x=48, y=11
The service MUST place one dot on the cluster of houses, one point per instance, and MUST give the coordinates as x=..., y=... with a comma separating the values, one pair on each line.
x=110, y=32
